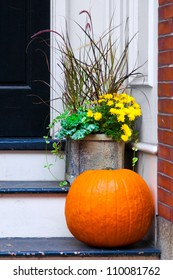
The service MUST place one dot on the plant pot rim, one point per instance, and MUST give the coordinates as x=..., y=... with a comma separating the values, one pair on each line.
x=98, y=137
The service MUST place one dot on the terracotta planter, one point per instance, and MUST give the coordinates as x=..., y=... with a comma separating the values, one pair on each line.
x=96, y=151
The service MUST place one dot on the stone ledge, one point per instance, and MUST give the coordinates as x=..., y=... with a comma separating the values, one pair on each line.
x=67, y=247
x=27, y=144
x=14, y=187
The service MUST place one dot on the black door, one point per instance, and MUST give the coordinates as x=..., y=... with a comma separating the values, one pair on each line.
x=23, y=69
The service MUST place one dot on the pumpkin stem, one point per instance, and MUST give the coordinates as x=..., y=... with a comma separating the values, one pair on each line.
x=109, y=168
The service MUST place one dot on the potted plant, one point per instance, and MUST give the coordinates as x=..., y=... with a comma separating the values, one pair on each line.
x=95, y=100
x=101, y=127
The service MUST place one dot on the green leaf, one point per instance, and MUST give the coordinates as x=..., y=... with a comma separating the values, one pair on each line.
x=79, y=134
x=92, y=127
x=134, y=160
x=48, y=165
x=63, y=183
x=46, y=139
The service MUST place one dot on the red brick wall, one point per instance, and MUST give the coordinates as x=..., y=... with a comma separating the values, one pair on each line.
x=165, y=108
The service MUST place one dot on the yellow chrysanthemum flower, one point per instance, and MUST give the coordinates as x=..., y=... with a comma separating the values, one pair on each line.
x=119, y=105
x=131, y=114
x=100, y=100
x=97, y=116
x=138, y=112
x=116, y=98
x=110, y=103
x=121, y=118
x=126, y=129
x=125, y=98
x=131, y=117
x=114, y=94
x=113, y=111
x=126, y=111
x=130, y=99
x=136, y=105
x=107, y=96
x=90, y=114
x=125, y=138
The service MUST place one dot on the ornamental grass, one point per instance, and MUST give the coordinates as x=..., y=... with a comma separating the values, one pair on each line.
x=95, y=79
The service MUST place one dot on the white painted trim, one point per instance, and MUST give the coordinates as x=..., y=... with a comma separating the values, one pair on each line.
x=133, y=35
x=57, y=23
x=149, y=22
x=146, y=148
x=151, y=40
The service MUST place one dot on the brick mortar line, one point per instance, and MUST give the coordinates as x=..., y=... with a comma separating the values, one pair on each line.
x=165, y=160
x=168, y=206
x=161, y=66
x=165, y=5
x=165, y=145
x=165, y=51
x=165, y=82
x=165, y=35
x=165, y=20
x=164, y=129
x=166, y=97
x=167, y=191
x=163, y=174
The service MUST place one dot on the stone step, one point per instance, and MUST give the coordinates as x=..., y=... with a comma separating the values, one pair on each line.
x=32, y=209
x=25, y=159
x=34, y=187
x=70, y=248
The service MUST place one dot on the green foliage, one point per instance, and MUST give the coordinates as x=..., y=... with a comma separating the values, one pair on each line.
x=76, y=125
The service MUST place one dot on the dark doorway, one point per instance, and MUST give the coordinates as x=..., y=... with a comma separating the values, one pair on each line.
x=23, y=68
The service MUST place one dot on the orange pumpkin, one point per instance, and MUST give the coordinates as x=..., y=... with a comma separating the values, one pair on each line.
x=109, y=208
